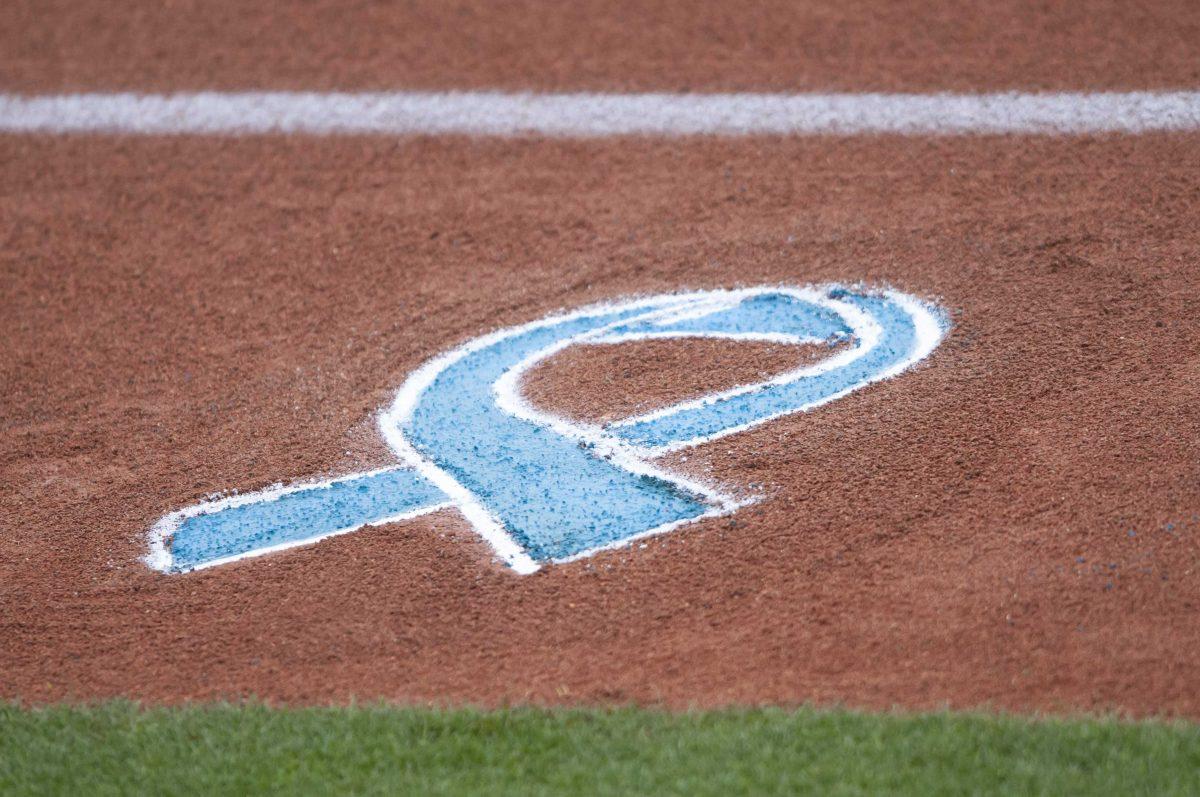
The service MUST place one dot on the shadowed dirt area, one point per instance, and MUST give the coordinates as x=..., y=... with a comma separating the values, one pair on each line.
x=1014, y=522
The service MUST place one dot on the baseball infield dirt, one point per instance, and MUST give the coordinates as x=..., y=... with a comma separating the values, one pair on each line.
x=1013, y=522
x=600, y=45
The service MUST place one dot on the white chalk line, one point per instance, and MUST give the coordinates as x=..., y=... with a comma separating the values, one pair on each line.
x=584, y=115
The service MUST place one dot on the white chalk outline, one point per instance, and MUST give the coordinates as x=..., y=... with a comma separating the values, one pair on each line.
x=587, y=115
x=509, y=398
x=392, y=421
x=866, y=332
x=159, y=556
x=929, y=332
x=663, y=309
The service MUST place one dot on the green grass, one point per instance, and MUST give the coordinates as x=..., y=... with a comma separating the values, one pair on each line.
x=119, y=748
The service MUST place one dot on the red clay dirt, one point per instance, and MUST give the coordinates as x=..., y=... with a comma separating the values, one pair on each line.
x=604, y=383
x=604, y=45
x=1013, y=523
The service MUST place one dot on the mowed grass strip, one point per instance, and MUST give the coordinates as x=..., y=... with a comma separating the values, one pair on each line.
x=120, y=748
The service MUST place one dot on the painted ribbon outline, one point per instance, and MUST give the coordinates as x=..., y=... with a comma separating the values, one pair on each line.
x=636, y=459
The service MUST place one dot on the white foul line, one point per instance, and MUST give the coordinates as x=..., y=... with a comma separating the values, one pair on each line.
x=584, y=115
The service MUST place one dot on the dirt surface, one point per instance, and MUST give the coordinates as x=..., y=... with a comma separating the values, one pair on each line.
x=604, y=383
x=676, y=45
x=1014, y=522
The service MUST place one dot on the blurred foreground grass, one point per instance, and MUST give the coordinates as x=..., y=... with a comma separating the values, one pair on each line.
x=120, y=748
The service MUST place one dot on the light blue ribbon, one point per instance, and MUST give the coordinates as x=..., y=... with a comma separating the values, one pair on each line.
x=556, y=495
